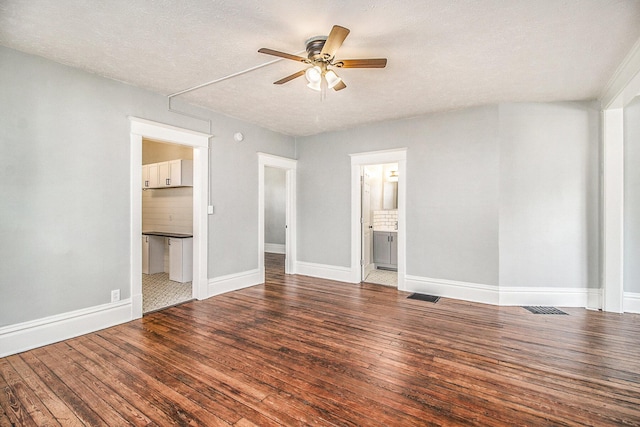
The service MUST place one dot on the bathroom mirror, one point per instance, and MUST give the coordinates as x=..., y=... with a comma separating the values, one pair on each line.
x=390, y=195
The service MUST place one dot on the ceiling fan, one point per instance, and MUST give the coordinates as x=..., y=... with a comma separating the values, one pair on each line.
x=321, y=51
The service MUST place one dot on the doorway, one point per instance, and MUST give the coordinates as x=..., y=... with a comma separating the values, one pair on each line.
x=275, y=223
x=358, y=162
x=167, y=225
x=141, y=128
x=379, y=213
x=288, y=167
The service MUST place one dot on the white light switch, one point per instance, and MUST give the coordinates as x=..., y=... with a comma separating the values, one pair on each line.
x=210, y=209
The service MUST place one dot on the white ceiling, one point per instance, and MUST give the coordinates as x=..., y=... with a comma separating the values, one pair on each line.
x=442, y=54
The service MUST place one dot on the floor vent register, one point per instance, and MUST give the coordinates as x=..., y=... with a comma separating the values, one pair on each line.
x=424, y=297
x=544, y=310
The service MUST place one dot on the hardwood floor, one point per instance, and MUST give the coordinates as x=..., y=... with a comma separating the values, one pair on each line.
x=304, y=351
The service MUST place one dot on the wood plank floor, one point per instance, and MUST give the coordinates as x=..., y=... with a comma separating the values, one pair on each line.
x=303, y=351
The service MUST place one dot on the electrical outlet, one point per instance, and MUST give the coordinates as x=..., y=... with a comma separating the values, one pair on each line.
x=115, y=295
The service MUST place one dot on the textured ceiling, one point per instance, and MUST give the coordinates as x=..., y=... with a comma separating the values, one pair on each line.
x=443, y=54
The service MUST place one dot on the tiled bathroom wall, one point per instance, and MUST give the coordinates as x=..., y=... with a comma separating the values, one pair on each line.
x=386, y=220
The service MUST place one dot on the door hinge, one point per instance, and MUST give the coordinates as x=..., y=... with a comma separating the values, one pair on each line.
x=362, y=263
x=361, y=220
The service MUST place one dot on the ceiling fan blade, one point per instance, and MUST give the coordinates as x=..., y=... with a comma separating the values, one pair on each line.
x=283, y=55
x=334, y=41
x=361, y=63
x=288, y=78
x=339, y=86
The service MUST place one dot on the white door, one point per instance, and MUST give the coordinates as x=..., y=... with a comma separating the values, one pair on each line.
x=365, y=216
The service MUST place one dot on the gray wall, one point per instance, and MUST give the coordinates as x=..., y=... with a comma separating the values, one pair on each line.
x=452, y=192
x=473, y=182
x=64, y=180
x=489, y=189
x=632, y=197
x=549, y=195
x=233, y=229
x=275, y=193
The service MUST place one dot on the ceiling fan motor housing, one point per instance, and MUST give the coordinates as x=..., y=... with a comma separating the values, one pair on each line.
x=314, y=47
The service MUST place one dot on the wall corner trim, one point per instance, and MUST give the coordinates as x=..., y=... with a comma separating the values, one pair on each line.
x=48, y=330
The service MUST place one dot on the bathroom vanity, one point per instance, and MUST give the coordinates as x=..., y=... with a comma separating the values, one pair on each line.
x=385, y=249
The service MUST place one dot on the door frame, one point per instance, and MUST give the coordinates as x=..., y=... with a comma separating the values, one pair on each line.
x=142, y=128
x=399, y=156
x=620, y=91
x=290, y=166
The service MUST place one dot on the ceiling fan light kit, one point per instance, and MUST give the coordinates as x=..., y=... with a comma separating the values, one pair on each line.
x=332, y=79
x=313, y=75
x=321, y=51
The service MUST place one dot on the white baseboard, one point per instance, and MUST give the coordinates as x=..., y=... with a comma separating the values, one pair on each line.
x=631, y=302
x=323, y=271
x=274, y=248
x=502, y=295
x=467, y=291
x=48, y=330
x=234, y=282
x=547, y=296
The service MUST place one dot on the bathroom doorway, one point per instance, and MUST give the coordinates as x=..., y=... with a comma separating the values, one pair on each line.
x=360, y=265
x=379, y=211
